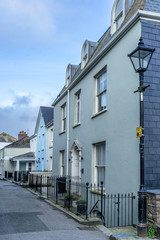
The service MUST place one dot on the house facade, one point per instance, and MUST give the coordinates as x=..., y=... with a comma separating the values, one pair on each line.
x=96, y=113
x=7, y=153
x=24, y=162
x=49, y=145
x=45, y=117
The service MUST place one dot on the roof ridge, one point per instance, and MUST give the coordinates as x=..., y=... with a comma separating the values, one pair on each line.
x=47, y=106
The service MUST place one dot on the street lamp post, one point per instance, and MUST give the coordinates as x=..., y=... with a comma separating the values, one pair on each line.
x=140, y=59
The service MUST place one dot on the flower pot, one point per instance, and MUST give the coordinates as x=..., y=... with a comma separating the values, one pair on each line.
x=81, y=209
x=67, y=203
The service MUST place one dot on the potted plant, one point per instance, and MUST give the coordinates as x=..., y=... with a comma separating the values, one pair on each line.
x=68, y=200
x=81, y=207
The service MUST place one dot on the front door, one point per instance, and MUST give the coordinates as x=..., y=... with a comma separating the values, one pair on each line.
x=75, y=165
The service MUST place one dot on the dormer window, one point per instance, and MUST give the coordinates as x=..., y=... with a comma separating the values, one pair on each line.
x=84, y=54
x=119, y=11
x=87, y=50
x=68, y=75
x=70, y=72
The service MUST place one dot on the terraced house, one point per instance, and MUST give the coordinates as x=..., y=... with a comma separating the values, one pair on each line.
x=96, y=113
x=44, y=139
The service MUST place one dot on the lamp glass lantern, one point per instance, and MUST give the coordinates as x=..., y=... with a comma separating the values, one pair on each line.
x=141, y=57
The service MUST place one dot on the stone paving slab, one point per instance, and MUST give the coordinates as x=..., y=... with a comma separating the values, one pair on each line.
x=127, y=233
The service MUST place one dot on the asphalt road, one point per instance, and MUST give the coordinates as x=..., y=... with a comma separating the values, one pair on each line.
x=24, y=216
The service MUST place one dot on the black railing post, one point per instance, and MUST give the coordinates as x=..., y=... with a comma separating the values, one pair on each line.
x=87, y=187
x=118, y=207
x=47, y=186
x=41, y=185
x=69, y=205
x=36, y=182
x=56, y=191
x=133, y=197
x=102, y=200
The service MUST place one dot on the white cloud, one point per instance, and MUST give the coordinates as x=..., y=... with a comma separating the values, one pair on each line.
x=32, y=100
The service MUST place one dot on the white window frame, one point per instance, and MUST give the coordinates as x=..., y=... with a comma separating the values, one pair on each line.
x=68, y=74
x=85, y=54
x=115, y=19
x=97, y=168
x=62, y=163
x=100, y=94
x=77, y=107
x=63, y=117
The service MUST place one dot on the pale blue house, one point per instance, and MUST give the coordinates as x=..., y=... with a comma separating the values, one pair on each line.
x=45, y=116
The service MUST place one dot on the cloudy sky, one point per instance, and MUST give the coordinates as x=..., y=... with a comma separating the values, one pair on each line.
x=38, y=39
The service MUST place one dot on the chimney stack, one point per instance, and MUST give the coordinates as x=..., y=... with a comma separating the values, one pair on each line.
x=22, y=134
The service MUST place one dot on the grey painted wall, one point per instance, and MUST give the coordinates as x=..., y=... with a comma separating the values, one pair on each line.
x=116, y=126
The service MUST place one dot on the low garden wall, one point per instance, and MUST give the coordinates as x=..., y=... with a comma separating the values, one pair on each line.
x=153, y=209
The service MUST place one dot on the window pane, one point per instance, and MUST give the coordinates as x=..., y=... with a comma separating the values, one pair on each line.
x=77, y=108
x=85, y=50
x=102, y=102
x=119, y=22
x=64, y=111
x=119, y=8
x=101, y=175
x=69, y=71
x=100, y=156
x=102, y=82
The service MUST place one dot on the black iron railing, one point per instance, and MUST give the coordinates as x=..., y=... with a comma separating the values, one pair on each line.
x=87, y=200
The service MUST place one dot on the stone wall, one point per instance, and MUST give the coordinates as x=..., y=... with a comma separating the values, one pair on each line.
x=153, y=208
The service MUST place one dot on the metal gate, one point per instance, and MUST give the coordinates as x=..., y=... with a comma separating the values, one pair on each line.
x=118, y=210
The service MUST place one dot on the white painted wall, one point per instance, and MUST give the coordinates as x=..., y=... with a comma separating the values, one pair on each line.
x=49, y=147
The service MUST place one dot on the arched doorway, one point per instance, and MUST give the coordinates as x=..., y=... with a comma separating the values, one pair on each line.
x=76, y=162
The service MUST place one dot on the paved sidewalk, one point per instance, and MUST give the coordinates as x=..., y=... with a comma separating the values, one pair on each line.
x=24, y=216
x=126, y=233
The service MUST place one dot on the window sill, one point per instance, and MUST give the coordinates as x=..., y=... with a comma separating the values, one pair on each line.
x=99, y=113
x=76, y=125
x=62, y=132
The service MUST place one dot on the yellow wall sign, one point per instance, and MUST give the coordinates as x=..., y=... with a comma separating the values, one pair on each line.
x=138, y=132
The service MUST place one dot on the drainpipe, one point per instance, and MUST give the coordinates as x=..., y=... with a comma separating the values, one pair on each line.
x=68, y=108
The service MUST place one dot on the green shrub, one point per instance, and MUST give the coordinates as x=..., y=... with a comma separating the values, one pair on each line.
x=81, y=202
x=151, y=232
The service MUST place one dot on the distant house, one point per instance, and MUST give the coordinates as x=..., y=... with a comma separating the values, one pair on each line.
x=44, y=133
x=19, y=147
x=6, y=139
x=24, y=162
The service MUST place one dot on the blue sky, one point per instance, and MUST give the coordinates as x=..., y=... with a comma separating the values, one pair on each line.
x=38, y=39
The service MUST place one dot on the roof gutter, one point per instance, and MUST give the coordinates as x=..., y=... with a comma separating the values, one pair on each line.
x=140, y=14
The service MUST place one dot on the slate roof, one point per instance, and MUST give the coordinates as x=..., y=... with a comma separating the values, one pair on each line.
x=25, y=155
x=21, y=143
x=147, y=5
x=4, y=137
x=47, y=113
x=152, y=5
